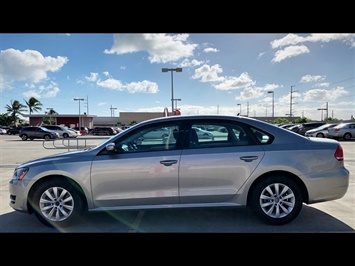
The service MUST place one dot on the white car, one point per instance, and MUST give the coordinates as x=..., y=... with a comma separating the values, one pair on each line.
x=63, y=132
x=319, y=132
x=345, y=131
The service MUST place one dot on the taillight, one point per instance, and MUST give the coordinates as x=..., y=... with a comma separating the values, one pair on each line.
x=339, y=155
x=336, y=129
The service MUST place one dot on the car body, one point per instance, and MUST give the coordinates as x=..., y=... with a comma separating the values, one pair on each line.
x=294, y=128
x=345, y=131
x=3, y=131
x=104, y=131
x=61, y=130
x=77, y=132
x=319, y=132
x=14, y=130
x=254, y=164
x=308, y=126
x=83, y=130
x=31, y=133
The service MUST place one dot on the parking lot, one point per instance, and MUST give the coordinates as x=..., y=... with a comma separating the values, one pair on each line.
x=334, y=216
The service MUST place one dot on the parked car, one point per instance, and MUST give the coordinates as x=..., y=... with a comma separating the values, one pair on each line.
x=61, y=130
x=203, y=134
x=77, y=132
x=32, y=133
x=255, y=164
x=319, y=132
x=83, y=130
x=295, y=128
x=3, y=131
x=308, y=126
x=14, y=130
x=104, y=131
x=345, y=131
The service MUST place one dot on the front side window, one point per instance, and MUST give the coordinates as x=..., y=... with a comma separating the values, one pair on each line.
x=151, y=138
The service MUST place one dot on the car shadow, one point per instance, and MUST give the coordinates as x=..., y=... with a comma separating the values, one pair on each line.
x=193, y=220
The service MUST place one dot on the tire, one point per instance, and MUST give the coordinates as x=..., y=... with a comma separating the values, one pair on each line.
x=57, y=203
x=276, y=200
x=47, y=137
x=347, y=136
x=65, y=135
x=24, y=137
x=320, y=135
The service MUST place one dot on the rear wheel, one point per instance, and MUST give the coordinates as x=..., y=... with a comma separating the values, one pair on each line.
x=276, y=200
x=57, y=203
x=24, y=137
x=65, y=135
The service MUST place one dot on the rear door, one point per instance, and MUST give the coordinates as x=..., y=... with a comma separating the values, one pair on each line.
x=213, y=170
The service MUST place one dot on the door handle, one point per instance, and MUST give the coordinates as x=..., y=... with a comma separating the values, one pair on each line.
x=248, y=158
x=168, y=162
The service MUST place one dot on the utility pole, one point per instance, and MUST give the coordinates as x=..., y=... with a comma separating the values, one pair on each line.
x=113, y=114
x=291, y=103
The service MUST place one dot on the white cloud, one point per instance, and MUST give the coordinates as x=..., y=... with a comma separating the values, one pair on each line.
x=290, y=51
x=28, y=65
x=143, y=86
x=310, y=78
x=232, y=83
x=208, y=73
x=162, y=48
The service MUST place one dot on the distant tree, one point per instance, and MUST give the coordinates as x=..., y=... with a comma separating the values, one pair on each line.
x=281, y=120
x=330, y=119
x=34, y=105
x=14, y=109
x=5, y=120
x=302, y=120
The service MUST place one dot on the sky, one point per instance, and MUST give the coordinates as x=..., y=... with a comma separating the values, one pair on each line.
x=303, y=75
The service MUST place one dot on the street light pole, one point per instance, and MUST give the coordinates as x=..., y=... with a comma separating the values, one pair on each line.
x=273, y=98
x=79, y=99
x=240, y=108
x=172, y=84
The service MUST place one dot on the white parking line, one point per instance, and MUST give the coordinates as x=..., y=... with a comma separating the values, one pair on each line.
x=136, y=223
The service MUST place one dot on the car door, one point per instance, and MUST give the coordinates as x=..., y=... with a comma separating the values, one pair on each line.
x=214, y=170
x=137, y=172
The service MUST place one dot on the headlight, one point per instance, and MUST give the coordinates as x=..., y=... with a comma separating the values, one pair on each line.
x=20, y=173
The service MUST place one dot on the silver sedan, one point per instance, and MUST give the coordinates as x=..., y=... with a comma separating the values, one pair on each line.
x=253, y=164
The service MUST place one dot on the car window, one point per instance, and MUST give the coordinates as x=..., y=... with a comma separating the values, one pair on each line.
x=153, y=138
x=225, y=135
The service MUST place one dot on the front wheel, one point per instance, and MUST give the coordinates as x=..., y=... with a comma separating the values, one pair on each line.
x=276, y=200
x=57, y=203
x=347, y=136
x=24, y=137
x=47, y=137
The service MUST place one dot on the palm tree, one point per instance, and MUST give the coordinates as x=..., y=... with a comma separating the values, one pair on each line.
x=33, y=105
x=51, y=112
x=16, y=108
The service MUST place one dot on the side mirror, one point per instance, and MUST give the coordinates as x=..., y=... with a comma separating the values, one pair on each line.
x=110, y=147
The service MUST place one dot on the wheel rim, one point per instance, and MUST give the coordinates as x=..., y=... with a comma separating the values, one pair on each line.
x=277, y=200
x=347, y=137
x=56, y=204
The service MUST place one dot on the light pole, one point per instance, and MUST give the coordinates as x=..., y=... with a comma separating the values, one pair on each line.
x=240, y=108
x=79, y=99
x=273, y=98
x=172, y=84
x=176, y=100
x=50, y=115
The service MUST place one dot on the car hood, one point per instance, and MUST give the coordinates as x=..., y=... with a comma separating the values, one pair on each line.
x=78, y=156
